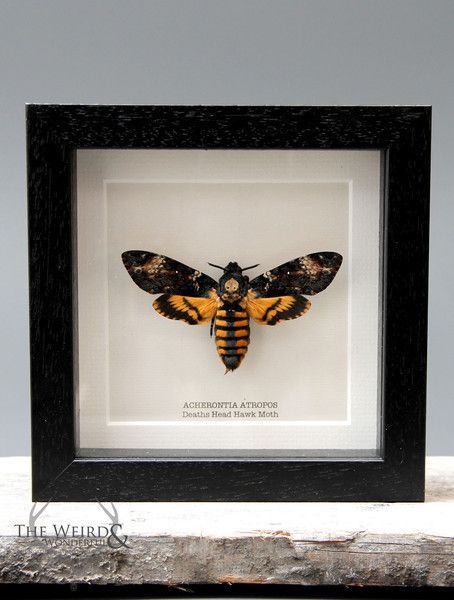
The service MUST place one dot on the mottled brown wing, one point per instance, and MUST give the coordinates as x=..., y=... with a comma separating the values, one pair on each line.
x=308, y=275
x=158, y=274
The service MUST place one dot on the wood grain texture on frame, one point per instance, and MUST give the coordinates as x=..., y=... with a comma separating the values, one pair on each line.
x=56, y=131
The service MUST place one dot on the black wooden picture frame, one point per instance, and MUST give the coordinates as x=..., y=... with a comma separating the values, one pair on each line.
x=55, y=132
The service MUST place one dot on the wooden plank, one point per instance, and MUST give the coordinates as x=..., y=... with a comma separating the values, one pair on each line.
x=187, y=543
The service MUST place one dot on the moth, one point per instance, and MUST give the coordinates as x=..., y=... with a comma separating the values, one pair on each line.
x=191, y=296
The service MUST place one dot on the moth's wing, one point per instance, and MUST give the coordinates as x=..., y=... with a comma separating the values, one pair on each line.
x=158, y=274
x=191, y=310
x=269, y=311
x=309, y=275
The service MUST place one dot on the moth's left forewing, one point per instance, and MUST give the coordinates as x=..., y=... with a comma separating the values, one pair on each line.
x=159, y=274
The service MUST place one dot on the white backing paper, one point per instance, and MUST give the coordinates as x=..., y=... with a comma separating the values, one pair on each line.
x=146, y=382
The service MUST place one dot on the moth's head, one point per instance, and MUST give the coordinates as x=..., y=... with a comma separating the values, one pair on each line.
x=233, y=285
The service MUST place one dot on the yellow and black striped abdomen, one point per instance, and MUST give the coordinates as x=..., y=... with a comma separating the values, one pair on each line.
x=232, y=334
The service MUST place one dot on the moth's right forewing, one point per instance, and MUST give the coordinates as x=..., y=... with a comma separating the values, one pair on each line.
x=307, y=275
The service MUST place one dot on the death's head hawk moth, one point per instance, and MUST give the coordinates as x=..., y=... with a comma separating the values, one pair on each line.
x=191, y=296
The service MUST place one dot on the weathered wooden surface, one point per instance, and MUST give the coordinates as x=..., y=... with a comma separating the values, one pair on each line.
x=186, y=543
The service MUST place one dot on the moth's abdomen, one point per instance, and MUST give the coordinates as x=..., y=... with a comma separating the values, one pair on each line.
x=232, y=335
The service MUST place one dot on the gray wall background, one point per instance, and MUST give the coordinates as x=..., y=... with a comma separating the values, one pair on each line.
x=223, y=52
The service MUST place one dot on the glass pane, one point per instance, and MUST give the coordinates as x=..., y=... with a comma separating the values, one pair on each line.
x=150, y=386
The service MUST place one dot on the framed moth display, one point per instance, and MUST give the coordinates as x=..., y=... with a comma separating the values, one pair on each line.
x=295, y=239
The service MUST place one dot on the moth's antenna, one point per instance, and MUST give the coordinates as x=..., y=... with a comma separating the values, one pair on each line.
x=251, y=267
x=217, y=266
